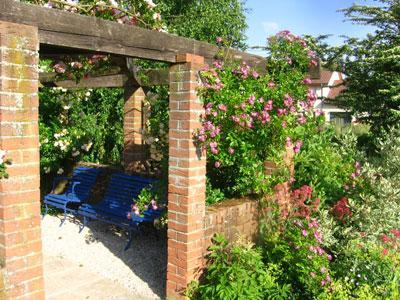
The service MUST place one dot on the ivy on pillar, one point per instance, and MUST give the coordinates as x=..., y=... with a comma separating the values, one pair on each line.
x=186, y=180
x=134, y=149
x=21, y=275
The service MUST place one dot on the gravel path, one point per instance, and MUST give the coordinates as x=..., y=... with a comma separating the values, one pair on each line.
x=99, y=249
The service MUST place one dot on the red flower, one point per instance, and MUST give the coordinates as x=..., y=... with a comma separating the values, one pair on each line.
x=385, y=251
x=341, y=209
x=385, y=238
x=395, y=232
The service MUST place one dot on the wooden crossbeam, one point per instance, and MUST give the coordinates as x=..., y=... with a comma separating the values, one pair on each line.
x=108, y=81
x=68, y=30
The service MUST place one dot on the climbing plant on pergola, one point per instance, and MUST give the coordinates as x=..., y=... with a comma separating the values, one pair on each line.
x=28, y=32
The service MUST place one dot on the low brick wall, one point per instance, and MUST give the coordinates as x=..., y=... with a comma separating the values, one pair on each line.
x=232, y=218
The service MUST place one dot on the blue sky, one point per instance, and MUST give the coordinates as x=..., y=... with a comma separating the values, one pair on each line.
x=315, y=17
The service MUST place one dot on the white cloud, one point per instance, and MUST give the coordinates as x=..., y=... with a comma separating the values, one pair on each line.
x=270, y=27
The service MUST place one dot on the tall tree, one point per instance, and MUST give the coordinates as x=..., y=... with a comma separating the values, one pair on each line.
x=372, y=65
x=205, y=20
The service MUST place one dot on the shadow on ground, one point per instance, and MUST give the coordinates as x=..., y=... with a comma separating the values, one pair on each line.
x=146, y=257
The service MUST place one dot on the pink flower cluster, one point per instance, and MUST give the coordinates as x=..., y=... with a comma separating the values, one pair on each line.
x=309, y=229
x=244, y=71
x=211, y=78
x=357, y=172
x=134, y=211
x=296, y=146
x=291, y=38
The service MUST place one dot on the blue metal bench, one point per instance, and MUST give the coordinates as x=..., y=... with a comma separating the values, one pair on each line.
x=78, y=191
x=117, y=202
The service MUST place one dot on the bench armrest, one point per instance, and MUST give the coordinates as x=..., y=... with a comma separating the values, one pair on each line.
x=74, y=184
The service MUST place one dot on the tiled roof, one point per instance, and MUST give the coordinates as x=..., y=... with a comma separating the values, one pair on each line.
x=336, y=89
x=324, y=78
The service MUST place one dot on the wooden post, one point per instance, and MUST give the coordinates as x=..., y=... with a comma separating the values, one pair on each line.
x=135, y=151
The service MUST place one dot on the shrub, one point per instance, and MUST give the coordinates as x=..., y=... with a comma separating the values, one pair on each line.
x=238, y=272
x=250, y=118
x=324, y=164
x=79, y=125
x=298, y=245
x=365, y=263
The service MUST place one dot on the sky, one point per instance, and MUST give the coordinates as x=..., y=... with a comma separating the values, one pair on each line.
x=313, y=17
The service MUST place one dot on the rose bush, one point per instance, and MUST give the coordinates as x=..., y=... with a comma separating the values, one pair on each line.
x=335, y=233
x=253, y=115
x=79, y=125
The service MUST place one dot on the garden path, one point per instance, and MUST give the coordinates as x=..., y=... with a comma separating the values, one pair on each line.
x=93, y=265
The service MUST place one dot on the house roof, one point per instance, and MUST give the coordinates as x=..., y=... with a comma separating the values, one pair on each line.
x=324, y=78
x=336, y=89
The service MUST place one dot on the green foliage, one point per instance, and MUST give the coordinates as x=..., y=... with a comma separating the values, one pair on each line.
x=4, y=162
x=363, y=263
x=213, y=195
x=207, y=19
x=155, y=131
x=372, y=65
x=250, y=118
x=238, y=272
x=79, y=125
x=153, y=195
x=375, y=202
x=325, y=163
x=296, y=243
x=143, y=13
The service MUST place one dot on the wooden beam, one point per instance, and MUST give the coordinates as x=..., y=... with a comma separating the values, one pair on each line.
x=69, y=30
x=108, y=81
x=145, y=78
x=153, y=77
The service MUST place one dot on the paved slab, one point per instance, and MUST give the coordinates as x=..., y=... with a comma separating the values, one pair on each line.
x=65, y=279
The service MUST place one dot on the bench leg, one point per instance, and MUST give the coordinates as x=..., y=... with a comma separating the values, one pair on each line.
x=128, y=245
x=46, y=210
x=65, y=217
x=85, y=221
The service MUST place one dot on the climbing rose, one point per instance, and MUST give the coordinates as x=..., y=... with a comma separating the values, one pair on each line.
x=222, y=107
x=150, y=3
x=60, y=67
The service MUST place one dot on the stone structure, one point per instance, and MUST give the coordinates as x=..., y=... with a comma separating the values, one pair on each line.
x=187, y=181
x=20, y=234
x=236, y=218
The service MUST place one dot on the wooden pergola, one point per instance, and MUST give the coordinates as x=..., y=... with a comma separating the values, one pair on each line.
x=28, y=32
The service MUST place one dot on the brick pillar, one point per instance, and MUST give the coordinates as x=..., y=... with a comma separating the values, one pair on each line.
x=134, y=149
x=187, y=170
x=20, y=235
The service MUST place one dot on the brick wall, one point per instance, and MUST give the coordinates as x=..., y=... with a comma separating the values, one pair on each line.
x=233, y=218
x=135, y=151
x=187, y=169
x=20, y=235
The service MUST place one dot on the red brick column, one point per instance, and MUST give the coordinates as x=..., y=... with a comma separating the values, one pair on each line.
x=187, y=170
x=20, y=235
x=134, y=148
